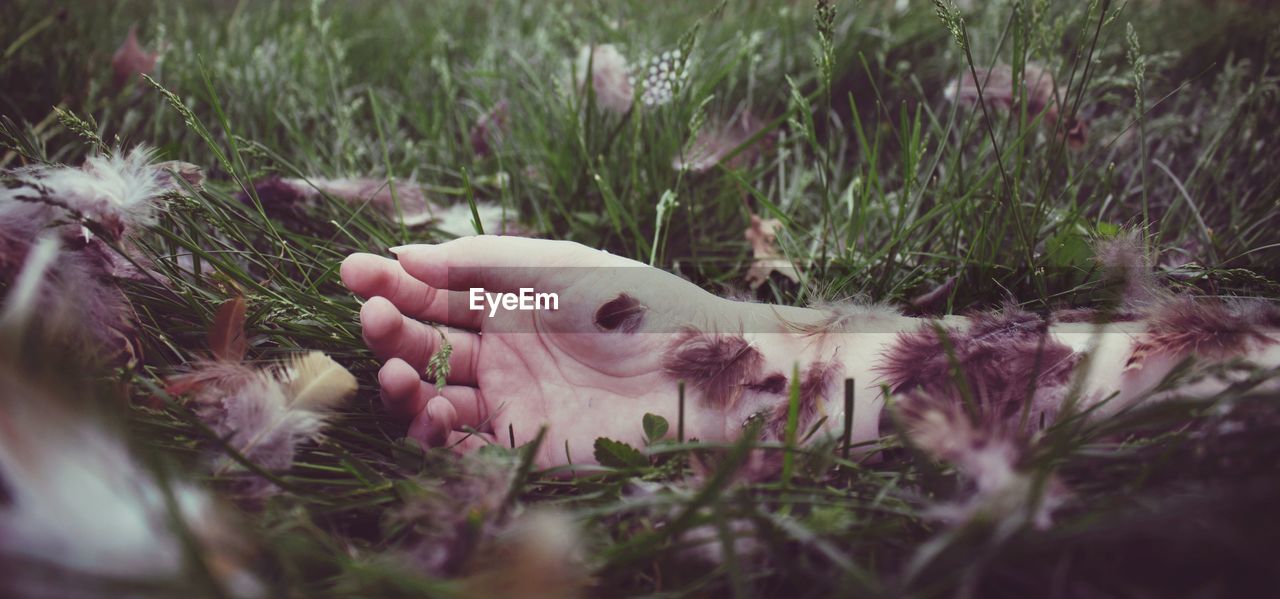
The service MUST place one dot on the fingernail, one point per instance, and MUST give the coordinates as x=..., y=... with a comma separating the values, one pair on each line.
x=400, y=250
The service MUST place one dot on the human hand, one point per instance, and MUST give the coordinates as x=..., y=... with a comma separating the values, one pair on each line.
x=623, y=335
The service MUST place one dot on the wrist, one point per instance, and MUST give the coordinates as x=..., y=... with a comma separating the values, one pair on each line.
x=823, y=348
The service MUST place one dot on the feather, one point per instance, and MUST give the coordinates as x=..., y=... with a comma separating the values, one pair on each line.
x=77, y=511
x=130, y=59
x=456, y=220
x=461, y=506
x=766, y=258
x=1209, y=328
x=109, y=197
x=115, y=193
x=539, y=554
x=610, y=77
x=316, y=382
x=489, y=131
x=410, y=203
x=1128, y=268
x=714, y=142
x=227, y=338
x=987, y=454
x=852, y=316
x=264, y=414
x=997, y=87
x=717, y=365
x=623, y=313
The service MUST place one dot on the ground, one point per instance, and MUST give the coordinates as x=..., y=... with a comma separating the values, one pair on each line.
x=849, y=126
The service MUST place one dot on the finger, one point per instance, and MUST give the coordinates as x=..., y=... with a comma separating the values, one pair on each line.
x=466, y=442
x=391, y=334
x=405, y=395
x=469, y=403
x=433, y=424
x=368, y=276
x=401, y=389
x=498, y=263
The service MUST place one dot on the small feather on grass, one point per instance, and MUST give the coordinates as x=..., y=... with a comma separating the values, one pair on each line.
x=997, y=88
x=715, y=141
x=264, y=414
x=131, y=59
x=610, y=77
x=408, y=204
x=766, y=258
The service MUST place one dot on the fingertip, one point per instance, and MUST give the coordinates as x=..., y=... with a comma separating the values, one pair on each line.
x=420, y=429
x=397, y=250
x=433, y=424
x=422, y=263
x=353, y=267
x=399, y=383
x=380, y=319
x=443, y=412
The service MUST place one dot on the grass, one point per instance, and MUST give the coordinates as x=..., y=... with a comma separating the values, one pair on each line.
x=886, y=190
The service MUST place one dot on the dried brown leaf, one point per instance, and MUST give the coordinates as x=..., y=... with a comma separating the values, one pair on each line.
x=227, y=338
x=766, y=259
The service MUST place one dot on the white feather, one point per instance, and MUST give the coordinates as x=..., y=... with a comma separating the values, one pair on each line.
x=265, y=414
x=124, y=186
x=456, y=219
x=316, y=382
x=79, y=503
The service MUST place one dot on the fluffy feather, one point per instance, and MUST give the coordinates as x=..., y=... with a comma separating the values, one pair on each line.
x=415, y=209
x=539, y=555
x=1012, y=369
x=853, y=317
x=130, y=59
x=716, y=365
x=766, y=258
x=1005, y=359
x=987, y=455
x=226, y=335
x=265, y=414
x=456, y=220
x=715, y=141
x=490, y=130
x=460, y=508
x=116, y=193
x=934, y=300
x=317, y=383
x=408, y=202
x=110, y=197
x=816, y=385
x=998, y=88
x=610, y=77
x=1128, y=268
x=79, y=515
x=1208, y=328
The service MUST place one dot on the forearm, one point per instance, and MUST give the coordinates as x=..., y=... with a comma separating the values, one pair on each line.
x=775, y=348
x=1008, y=362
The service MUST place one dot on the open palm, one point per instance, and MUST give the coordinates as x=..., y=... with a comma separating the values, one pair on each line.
x=591, y=368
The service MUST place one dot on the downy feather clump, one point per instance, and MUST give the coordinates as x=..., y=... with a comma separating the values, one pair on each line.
x=93, y=212
x=264, y=414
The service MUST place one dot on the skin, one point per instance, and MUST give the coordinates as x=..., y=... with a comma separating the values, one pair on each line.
x=560, y=369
